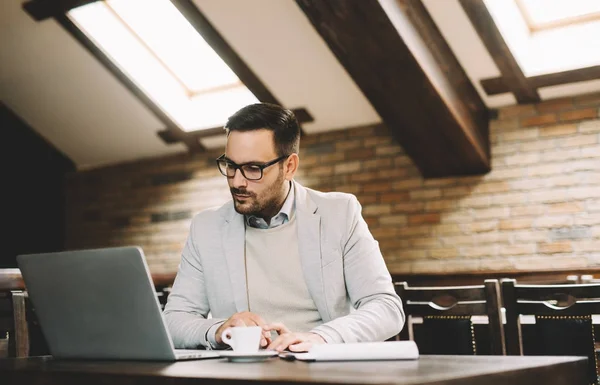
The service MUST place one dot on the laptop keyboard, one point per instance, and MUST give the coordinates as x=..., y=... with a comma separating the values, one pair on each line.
x=188, y=353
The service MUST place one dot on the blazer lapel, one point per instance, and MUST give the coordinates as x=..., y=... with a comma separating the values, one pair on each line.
x=234, y=247
x=309, y=247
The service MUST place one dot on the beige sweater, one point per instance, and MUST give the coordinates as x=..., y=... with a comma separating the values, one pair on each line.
x=277, y=289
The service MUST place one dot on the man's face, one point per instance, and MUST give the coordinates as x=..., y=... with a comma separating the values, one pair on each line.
x=255, y=197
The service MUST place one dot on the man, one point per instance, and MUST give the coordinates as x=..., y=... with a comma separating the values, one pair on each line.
x=291, y=260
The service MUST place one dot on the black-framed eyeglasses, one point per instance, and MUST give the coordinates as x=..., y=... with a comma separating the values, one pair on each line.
x=250, y=170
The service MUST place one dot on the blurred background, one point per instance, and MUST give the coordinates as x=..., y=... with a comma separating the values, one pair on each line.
x=468, y=129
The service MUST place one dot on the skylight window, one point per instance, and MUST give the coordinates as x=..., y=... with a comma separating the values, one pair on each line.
x=154, y=44
x=545, y=14
x=549, y=36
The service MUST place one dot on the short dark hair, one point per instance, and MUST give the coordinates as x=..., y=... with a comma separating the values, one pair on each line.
x=283, y=123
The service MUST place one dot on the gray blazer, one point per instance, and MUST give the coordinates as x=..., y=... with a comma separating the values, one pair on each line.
x=341, y=262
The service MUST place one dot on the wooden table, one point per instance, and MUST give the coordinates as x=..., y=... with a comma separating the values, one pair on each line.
x=430, y=370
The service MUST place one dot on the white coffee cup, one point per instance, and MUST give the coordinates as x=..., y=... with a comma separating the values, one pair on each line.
x=243, y=339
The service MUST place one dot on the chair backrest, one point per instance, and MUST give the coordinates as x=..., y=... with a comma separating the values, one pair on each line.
x=563, y=319
x=460, y=302
x=13, y=324
x=544, y=300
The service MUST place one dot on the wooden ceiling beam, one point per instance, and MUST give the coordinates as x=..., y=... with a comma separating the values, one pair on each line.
x=496, y=86
x=411, y=78
x=487, y=30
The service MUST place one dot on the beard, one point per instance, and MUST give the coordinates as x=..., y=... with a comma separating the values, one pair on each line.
x=259, y=206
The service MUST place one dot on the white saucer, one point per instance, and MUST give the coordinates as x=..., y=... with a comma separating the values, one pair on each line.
x=261, y=355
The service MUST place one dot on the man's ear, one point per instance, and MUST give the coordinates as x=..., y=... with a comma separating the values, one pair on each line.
x=291, y=166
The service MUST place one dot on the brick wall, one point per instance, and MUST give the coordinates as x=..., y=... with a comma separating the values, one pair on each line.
x=539, y=207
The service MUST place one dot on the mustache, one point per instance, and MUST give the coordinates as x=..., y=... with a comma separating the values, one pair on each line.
x=241, y=191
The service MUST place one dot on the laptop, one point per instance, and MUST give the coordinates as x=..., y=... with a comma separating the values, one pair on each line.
x=100, y=304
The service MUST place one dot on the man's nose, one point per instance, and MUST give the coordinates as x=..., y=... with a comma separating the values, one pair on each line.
x=238, y=179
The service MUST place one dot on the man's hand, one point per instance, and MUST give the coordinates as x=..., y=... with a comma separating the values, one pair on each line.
x=242, y=319
x=295, y=342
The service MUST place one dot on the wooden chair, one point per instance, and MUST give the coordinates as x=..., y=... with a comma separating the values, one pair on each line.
x=13, y=324
x=448, y=310
x=563, y=320
x=163, y=295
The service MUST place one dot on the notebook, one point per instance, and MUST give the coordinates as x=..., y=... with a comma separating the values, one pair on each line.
x=100, y=304
x=364, y=351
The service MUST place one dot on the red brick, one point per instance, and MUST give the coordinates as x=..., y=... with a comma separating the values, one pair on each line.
x=555, y=105
x=388, y=150
x=365, y=199
x=425, y=194
x=539, y=120
x=408, y=184
x=592, y=99
x=504, y=125
x=412, y=231
x=393, y=220
x=331, y=158
x=393, y=174
x=348, y=145
x=347, y=167
x=516, y=111
x=384, y=232
x=361, y=132
x=395, y=197
x=576, y=115
x=375, y=141
x=440, y=205
x=372, y=222
x=424, y=242
x=378, y=209
x=364, y=177
x=408, y=207
x=457, y=191
x=333, y=136
x=378, y=187
x=417, y=219
x=363, y=153
x=375, y=164
x=445, y=229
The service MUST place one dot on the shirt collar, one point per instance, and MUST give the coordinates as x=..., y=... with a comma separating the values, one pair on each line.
x=285, y=213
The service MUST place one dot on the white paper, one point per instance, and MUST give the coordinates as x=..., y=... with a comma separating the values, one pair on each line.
x=393, y=350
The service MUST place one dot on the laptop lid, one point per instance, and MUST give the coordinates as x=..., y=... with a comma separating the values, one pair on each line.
x=97, y=304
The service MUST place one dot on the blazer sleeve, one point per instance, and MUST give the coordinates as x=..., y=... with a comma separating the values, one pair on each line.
x=187, y=307
x=378, y=313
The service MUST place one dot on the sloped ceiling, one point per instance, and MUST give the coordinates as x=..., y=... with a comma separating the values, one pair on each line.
x=65, y=94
